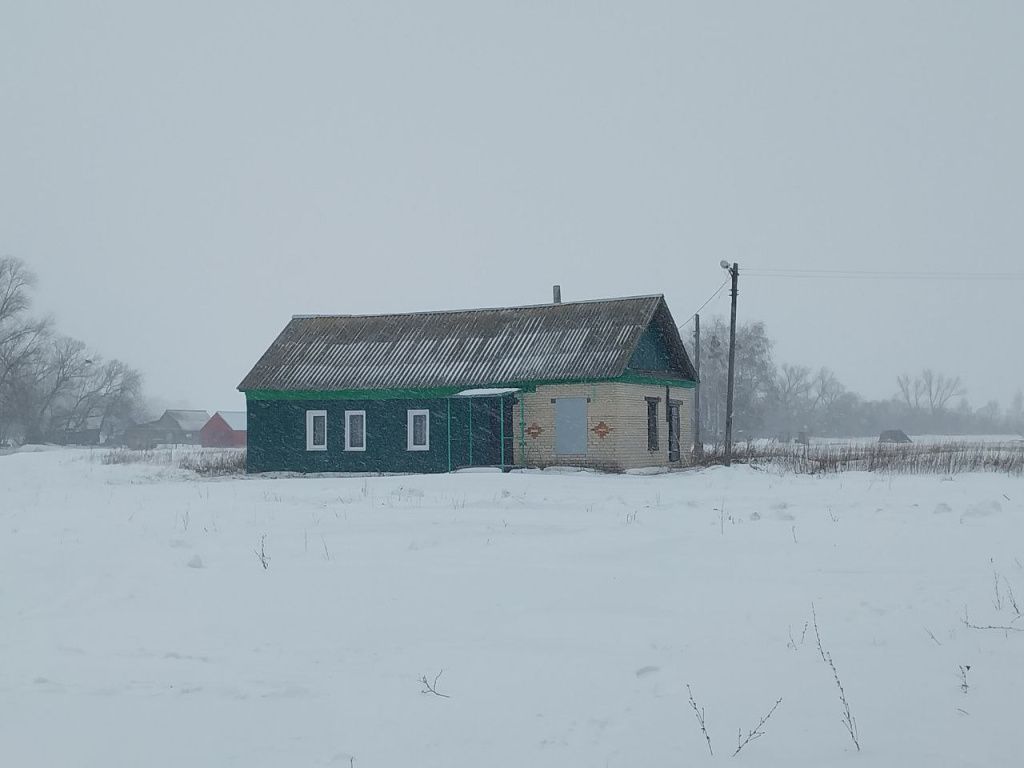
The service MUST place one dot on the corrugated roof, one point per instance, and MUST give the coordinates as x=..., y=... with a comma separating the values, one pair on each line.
x=234, y=419
x=548, y=342
x=189, y=421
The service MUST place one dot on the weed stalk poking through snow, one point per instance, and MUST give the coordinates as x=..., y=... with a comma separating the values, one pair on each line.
x=261, y=553
x=699, y=713
x=998, y=627
x=793, y=643
x=431, y=687
x=963, y=677
x=849, y=722
x=756, y=732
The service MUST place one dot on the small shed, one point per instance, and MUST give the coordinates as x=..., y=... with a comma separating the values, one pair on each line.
x=894, y=436
x=225, y=429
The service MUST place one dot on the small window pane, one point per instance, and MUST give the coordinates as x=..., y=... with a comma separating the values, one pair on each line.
x=652, y=425
x=316, y=430
x=355, y=434
x=418, y=434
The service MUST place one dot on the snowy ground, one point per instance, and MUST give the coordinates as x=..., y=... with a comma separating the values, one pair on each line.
x=569, y=612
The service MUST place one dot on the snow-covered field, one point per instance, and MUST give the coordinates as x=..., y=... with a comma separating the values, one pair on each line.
x=568, y=612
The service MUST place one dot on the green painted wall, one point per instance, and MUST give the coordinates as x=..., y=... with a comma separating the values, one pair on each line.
x=651, y=352
x=277, y=436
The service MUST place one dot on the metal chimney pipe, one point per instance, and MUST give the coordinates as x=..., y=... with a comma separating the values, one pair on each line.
x=557, y=291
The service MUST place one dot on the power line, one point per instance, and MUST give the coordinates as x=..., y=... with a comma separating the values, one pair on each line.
x=866, y=274
x=710, y=299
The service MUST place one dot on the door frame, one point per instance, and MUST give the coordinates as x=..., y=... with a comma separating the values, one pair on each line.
x=675, y=448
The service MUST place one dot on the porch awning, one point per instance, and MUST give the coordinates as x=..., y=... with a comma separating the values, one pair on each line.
x=498, y=392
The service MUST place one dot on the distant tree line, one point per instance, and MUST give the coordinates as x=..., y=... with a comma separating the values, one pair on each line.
x=784, y=400
x=53, y=386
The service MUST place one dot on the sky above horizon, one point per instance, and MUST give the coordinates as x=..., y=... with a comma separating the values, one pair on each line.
x=185, y=177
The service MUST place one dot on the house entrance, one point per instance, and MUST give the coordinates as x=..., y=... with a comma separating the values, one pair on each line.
x=490, y=427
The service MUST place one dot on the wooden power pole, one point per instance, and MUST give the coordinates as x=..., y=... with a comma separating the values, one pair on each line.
x=734, y=272
x=698, y=443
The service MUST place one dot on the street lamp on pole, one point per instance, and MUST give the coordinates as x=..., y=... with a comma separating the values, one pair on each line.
x=734, y=272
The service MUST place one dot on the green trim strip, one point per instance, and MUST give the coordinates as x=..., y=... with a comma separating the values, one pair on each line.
x=655, y=381
x=439, y=392
x=352, y=394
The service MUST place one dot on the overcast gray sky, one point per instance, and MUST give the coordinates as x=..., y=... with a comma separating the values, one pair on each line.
x=185, y=176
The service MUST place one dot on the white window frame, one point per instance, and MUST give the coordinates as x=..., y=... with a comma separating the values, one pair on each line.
x=410, y=432
x=348, y=431
x=310, y=445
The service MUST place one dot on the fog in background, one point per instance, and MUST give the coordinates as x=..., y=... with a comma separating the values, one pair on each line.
x=185, y=178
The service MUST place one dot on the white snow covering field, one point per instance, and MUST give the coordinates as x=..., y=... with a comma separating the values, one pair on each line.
x=568, y=612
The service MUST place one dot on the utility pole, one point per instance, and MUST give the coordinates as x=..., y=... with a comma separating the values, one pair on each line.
x=734, y=272
x=698, y=445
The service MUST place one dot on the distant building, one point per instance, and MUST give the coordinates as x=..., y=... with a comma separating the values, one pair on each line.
x=97, y=429
x=605, y=384
x=175, y=427
x=89, y=432
x=225, y=429
x=894, y=436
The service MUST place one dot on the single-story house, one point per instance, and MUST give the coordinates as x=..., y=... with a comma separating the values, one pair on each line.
x=175, y=427
x=605, y=384
x=225, y=429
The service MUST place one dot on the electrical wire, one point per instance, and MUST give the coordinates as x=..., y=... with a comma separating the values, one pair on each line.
x=866, y=274
x=710, y=299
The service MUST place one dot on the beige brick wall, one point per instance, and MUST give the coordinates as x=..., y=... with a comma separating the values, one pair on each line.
x=536, y=413
x=631, y=443
x=619, y=407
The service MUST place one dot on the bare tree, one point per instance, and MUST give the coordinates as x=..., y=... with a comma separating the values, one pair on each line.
x=44, y=384
x=106, y=394
x=827, y=389
x=911, y=391
x=792, y=391
x=51, y=384
x=16, y=282
x=21, y=337
x=940, y=389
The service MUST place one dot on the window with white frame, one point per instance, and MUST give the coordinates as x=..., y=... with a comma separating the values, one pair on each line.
x=355, y=430
x=316, y=430
x=418, y=431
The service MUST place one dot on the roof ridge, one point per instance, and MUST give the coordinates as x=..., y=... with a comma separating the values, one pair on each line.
x=483, y=309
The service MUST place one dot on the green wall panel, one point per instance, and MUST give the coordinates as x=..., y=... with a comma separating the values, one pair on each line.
x=277, y=436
